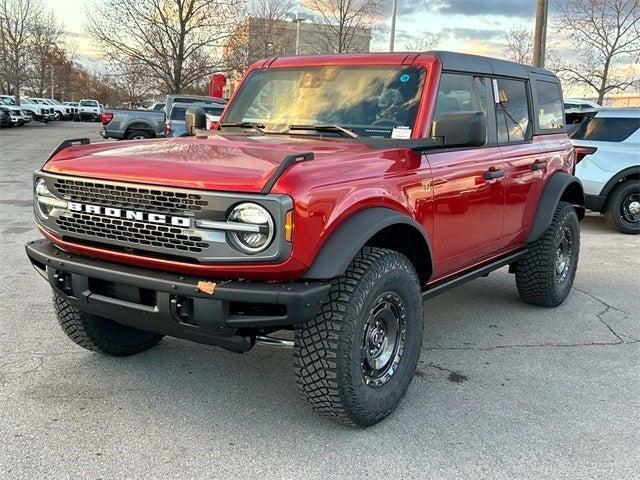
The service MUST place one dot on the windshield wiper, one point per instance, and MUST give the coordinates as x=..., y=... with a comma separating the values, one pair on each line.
x=326, y=128
x=256, y=126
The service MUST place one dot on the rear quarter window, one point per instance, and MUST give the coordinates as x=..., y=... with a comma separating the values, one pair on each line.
x=550, y=107
x=177, y=113
x=607, y=129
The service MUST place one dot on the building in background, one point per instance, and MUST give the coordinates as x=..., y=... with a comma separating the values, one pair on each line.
x=258, y=38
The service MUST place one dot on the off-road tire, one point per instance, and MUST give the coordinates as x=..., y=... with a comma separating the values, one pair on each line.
x=613, y=212
x=100, y=334
x=139, y=134
x=328, y=350
x=536, y=278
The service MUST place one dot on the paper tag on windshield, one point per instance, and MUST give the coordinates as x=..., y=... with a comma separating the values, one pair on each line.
x=401, y=132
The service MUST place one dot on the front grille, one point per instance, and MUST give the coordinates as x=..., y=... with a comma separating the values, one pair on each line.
x=136, y=233
x=134, y=198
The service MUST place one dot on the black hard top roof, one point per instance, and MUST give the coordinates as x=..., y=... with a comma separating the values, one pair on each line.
x=464, y=62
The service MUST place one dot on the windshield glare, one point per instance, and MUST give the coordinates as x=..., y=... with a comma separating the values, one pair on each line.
x=378, y=101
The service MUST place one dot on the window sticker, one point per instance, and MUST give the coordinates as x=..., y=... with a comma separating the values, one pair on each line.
x=401, y=132
x=404, y=78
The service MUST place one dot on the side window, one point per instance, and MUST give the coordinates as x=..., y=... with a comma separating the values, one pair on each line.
x=512, y=111
x=550, y=111
x=607, y=129
x=460, y=93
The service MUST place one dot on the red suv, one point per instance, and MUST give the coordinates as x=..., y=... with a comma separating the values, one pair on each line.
x=338, y=193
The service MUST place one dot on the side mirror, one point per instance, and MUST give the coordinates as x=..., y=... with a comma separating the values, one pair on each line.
x=461, y=129
x=195, y=118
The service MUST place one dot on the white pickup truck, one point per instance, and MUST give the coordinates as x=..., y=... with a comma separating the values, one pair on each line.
x=89, y=110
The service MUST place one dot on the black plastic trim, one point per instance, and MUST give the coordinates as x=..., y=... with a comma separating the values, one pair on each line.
x=338, y=251
x=302, y=300
x=68, y=143
x=288, y=161
x=635, y=170
x=471, y=275
x=595, y=203
x=553, y=190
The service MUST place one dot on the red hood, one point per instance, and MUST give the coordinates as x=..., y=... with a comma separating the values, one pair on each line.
x=236, y=163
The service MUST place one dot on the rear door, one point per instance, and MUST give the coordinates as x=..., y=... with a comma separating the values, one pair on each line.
x=468, y=183
x=523, y=157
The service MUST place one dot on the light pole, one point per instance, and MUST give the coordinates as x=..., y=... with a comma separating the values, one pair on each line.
x=394, y=13
x=51, y=82
x=298, y=18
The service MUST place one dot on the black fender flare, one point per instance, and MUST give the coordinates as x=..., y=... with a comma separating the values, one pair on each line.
x=621, y=175
x=553, y=192
x=337, y=252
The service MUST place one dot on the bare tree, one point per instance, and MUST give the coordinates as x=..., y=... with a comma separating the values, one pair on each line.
x=423, y=42
x=176, y=40
x=44, y=52
x=519, y=43
x=263, y=34
x=344, y=22
x=16, y=20
x=132, y=80
x=605, y=34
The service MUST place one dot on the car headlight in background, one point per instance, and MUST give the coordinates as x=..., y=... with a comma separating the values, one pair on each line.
x=260, y=237
x=44, y=200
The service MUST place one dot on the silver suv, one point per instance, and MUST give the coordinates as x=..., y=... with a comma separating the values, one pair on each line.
x=607, y=144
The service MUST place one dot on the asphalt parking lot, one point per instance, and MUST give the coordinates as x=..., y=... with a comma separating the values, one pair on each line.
x=503, y=389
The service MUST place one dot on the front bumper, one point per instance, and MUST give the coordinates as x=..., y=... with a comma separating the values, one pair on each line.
x=172, y=304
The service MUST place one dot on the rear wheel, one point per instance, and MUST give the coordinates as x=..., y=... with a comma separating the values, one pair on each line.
x=623, y=209
x=355, y=360
x=100, y=334
x=545, y=274
x=137, y=135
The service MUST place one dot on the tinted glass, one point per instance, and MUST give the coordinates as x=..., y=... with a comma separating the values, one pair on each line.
x=569, y=106
x=88, y=103
x=550, y=109
x=177, y=113
x=603, y=129
x=371, y=101
x=512, y=113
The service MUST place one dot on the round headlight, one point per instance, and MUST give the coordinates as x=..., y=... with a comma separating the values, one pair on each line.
x=256, y=239
x=41, y=190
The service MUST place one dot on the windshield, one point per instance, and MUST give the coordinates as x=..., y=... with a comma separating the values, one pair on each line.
x=7, y=101
x=88, y=103
x=380, y=101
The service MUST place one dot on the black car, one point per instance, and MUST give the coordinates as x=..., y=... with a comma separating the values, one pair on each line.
x=5, y=117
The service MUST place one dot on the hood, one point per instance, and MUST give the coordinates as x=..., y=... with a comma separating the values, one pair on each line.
x=234, y=163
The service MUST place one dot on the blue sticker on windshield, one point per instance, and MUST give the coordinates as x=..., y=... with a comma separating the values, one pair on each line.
x=404, y=78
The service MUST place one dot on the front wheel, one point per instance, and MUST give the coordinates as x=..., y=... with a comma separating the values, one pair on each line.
x=545, y=274
x=100, y=334
x=137, y=135
x=623, y=209
x=356, y=359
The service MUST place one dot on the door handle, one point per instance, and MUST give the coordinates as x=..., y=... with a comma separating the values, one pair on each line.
x=493, y=174
x=539, y=165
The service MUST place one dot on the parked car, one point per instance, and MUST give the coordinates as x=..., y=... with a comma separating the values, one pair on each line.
x=47, y=108
x=75, y=113
x=5, y=117
x=159, y=106
x=607, y=144
x=37, y=111
x=334, y=216
x=179, y=98
x=60, y=111
x=132, y=124
x=577, y=105
x=89, y=110
x=17, y=117
x=175, y=123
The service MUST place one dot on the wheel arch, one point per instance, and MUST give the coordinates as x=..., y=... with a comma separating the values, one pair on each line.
x=629, y=173
x=561, y=187
x=139, y=126
x=377, y=227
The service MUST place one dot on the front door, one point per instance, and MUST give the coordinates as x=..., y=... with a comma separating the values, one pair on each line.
x=468, y=184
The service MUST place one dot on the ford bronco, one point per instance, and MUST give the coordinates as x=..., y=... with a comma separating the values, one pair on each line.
x=335, y=196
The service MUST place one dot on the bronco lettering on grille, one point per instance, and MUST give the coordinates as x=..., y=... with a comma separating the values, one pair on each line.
x=130, y=214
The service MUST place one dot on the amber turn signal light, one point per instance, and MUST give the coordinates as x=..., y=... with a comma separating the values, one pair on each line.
x=288, y=226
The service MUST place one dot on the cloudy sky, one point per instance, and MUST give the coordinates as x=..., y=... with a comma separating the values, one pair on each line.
x=474, y=26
